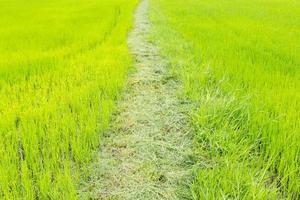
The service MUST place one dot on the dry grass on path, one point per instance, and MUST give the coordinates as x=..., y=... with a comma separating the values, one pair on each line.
x=147, y=152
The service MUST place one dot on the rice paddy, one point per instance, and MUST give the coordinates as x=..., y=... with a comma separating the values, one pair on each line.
x=202, y=101
x=239, y=62
x=62, y=65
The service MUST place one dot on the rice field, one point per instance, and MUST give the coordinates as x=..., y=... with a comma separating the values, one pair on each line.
x=62, y=65
x=239, y=62
x=232, y=65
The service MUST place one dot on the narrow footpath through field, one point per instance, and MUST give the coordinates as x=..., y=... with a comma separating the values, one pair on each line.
x=146, y=154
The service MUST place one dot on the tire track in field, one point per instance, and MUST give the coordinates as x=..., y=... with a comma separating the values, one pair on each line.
x=147, y=154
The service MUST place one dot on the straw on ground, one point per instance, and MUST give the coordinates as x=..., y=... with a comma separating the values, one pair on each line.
x=146, y=154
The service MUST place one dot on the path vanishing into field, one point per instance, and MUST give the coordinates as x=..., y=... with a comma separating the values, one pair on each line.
x=147, y=152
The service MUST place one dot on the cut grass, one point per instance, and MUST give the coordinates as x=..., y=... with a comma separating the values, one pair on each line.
x=147, y=153
x=239, y=61
x=62, y=65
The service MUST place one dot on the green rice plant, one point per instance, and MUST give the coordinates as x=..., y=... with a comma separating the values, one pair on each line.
x=239, y=64
x=62, y=65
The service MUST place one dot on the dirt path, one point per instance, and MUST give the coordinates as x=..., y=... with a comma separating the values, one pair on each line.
x=146, y=155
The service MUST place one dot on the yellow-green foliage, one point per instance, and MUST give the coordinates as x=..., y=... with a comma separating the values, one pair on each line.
x=239, y=61
x=62, y=65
